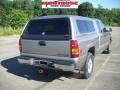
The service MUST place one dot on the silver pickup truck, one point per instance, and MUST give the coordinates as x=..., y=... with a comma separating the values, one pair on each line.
x=64, y=43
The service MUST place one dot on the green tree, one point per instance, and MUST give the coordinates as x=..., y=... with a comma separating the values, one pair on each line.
x=86, y=9
x=3, y=17
x=102, y=14
x=16, y=4
x=17, y=18
x=27, y=7
x=115, y=15
x=37, y=8
x=3, y=13
x=3, y=3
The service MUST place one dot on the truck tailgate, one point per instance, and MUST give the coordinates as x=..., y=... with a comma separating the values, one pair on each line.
x=52, y=48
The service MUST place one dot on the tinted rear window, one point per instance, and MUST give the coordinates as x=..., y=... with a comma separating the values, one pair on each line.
x=48, y=28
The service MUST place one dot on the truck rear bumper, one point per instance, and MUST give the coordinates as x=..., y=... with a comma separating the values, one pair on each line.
x=60, y=65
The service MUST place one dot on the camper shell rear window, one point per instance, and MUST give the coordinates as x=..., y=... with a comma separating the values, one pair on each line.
x=55, y=28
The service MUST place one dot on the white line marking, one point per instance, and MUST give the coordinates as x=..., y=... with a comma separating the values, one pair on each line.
x=97, y=73
x=111, y=71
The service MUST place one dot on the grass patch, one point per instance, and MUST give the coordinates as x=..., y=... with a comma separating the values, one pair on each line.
x=9, y=31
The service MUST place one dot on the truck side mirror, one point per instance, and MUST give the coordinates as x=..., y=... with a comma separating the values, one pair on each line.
x=105, y=30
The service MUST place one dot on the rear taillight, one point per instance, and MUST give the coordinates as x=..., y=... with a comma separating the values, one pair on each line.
x=74, y=49
x=20, y=45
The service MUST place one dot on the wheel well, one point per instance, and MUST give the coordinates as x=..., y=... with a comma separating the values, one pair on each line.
x=92, y=50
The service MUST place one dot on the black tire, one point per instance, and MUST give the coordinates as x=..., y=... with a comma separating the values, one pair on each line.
x=87, y=69
x=108, y=50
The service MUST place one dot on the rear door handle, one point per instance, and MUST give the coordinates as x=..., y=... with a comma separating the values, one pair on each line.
x=42, y=43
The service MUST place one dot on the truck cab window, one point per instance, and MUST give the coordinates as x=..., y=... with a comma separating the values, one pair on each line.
x=99, y=27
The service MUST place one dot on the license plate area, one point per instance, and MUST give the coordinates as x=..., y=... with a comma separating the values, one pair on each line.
x=41, y=62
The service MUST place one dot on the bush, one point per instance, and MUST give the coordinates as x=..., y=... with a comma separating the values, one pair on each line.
x=17, y=19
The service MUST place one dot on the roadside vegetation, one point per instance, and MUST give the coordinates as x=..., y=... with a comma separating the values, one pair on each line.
x=9, y=31
x=15, y=13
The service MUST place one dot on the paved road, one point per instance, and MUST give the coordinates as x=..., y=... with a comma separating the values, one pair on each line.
x=14, y=76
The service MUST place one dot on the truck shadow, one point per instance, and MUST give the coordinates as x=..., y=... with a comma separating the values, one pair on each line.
x=30, y=72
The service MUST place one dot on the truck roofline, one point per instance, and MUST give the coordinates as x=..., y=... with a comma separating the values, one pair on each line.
x=61, y=16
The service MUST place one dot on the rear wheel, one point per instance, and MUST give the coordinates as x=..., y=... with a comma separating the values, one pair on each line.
x=88, y=66
x=108, y=50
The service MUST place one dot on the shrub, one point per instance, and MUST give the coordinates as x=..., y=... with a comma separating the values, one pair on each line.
x=17, y=18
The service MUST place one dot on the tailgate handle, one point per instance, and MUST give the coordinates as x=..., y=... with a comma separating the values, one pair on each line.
x=42, y=43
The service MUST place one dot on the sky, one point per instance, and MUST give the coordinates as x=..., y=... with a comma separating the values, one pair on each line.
x=105, y=3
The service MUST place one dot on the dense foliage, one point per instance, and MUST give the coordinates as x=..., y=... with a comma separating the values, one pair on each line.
x=15, y=13
x=17, y=18
x=86, y=9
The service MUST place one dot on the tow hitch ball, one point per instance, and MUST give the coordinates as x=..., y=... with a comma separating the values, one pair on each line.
x=41, y=71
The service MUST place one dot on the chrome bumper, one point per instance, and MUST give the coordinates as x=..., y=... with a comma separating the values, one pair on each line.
x=47, y=64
